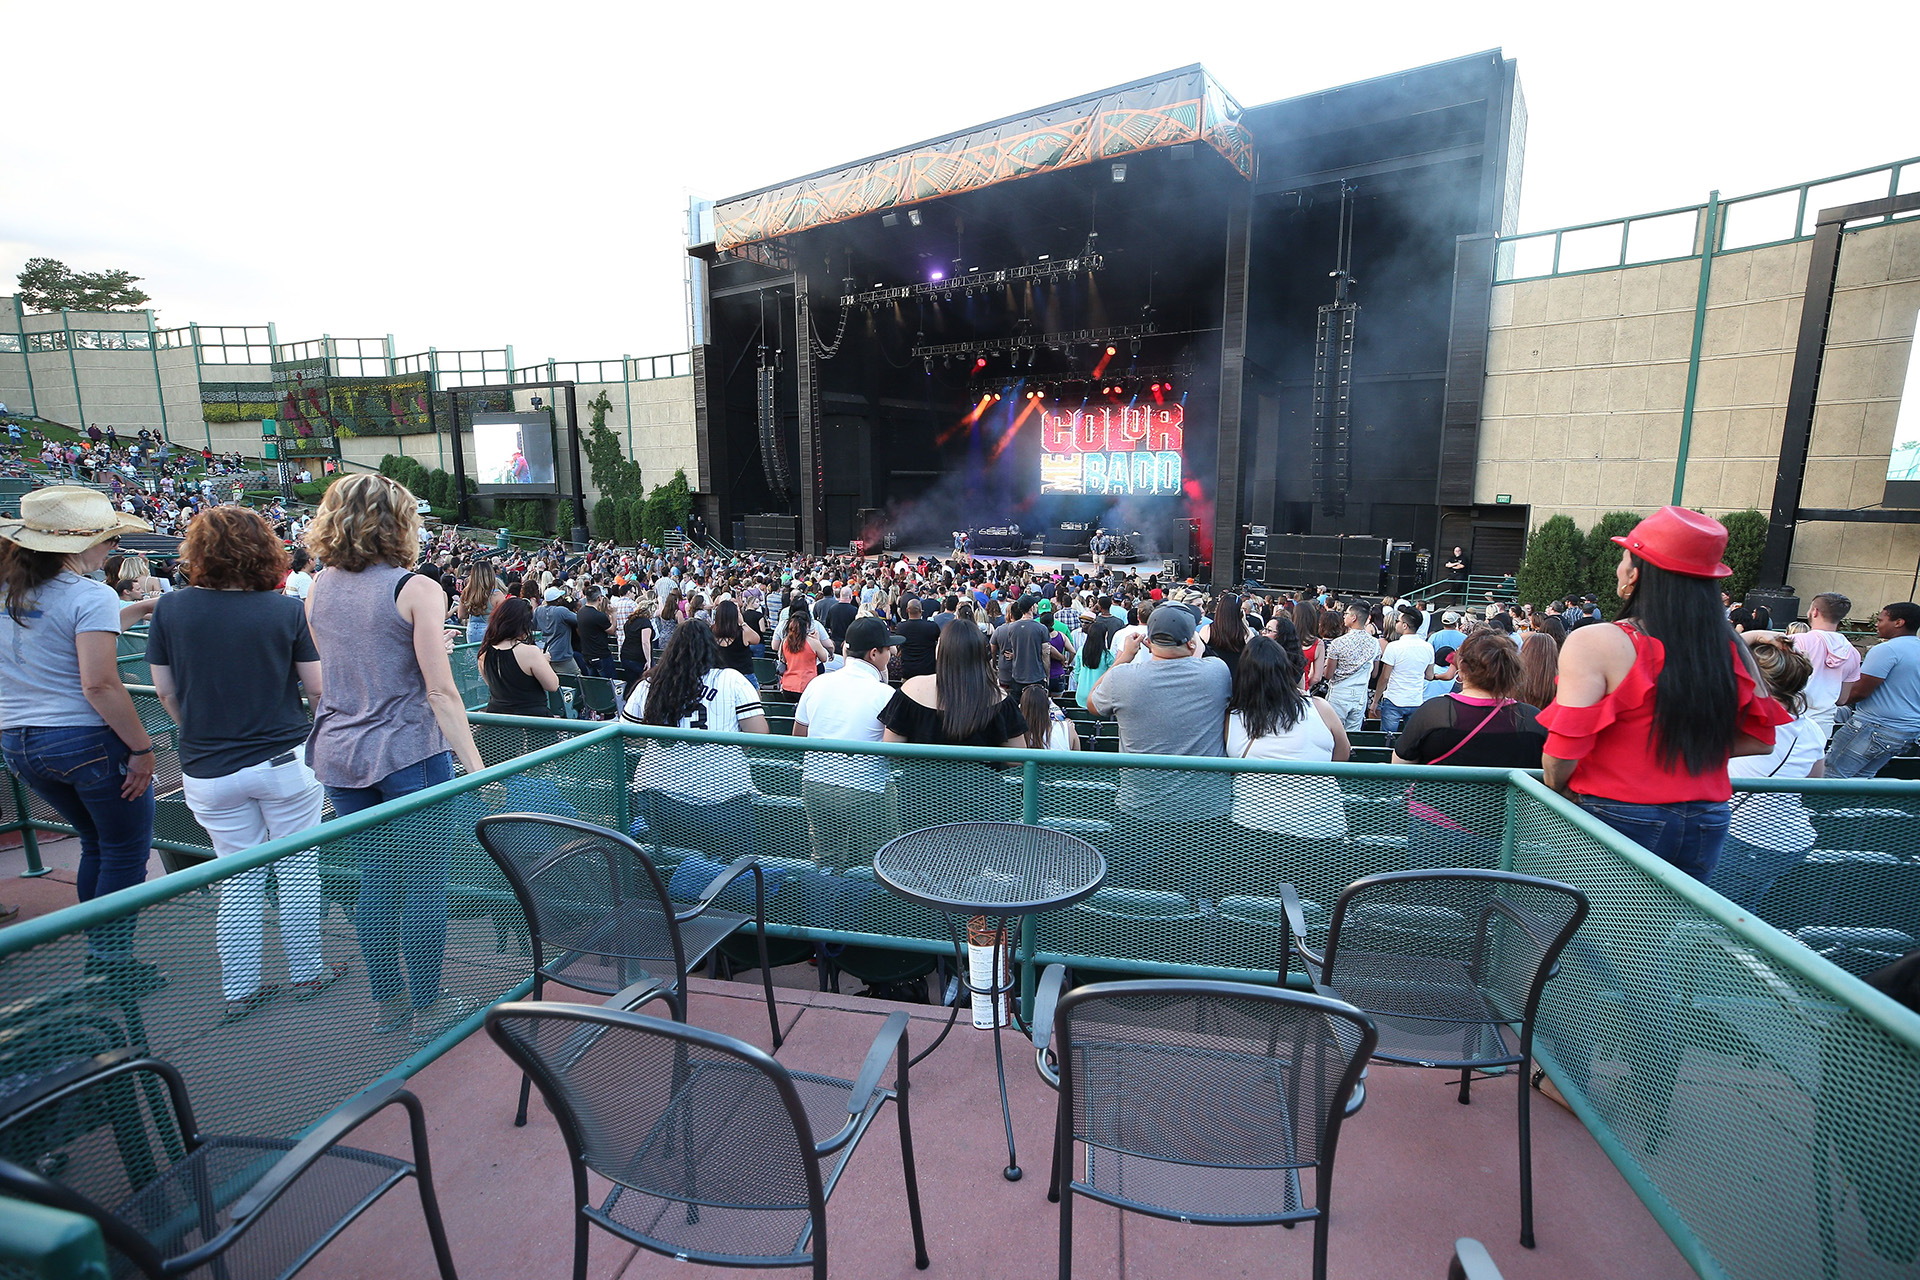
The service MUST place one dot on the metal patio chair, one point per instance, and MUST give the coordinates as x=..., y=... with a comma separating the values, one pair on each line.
x=173, y=1201
x=1198, y=1101
x=599, y=915
x=709, y=1143
x=1446, y=962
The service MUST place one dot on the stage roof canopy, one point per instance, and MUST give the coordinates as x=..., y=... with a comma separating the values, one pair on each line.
x=1183, y=106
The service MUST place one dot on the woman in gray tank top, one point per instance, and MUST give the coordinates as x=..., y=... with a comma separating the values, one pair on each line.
x=389, y=723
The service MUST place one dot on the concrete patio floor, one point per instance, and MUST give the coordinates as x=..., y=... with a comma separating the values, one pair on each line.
x=1415, y=1169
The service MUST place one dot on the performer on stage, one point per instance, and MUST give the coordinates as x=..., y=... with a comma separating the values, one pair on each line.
x=1100, y=544
x=960, y=551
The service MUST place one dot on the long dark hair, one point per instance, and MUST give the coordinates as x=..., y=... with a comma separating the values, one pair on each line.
x=513, y=620
x=799, y=623
x=1229, y=632
x=1306, y=621
x=963, y=683
x=678, y=678
x=1487, y=660
x=1539, y=670
x=1266, y=688
x=726, y=622
x=1037, y=709
x=22, y=571
x=1694, y=701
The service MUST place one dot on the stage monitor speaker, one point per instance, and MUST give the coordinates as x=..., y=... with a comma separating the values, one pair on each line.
x=1403, y=575
x=1257, y=545
x=1319, y=569
x=1781, y=609
x=1256, y=569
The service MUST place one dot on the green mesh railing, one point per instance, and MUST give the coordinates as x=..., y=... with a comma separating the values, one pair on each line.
x=1755, y=1093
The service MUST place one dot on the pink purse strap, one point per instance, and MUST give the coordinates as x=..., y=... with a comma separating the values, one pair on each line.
x=1498, y=707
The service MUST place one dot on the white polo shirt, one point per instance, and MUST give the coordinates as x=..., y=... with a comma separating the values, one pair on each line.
x=845, y=706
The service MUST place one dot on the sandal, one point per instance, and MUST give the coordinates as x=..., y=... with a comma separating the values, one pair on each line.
x=313, y=986
x=238, y=1009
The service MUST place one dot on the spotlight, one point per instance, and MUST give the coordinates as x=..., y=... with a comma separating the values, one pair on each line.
x=938, y=275
x=1045, y=256
x=1110, y=351
x=1119, y=173
x=889, y=219
x=973, y=268
x=1134, y=346
x=913, y=216
x=996, y=395
x=980, y=364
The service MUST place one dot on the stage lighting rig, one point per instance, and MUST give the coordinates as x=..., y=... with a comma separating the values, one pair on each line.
x=973, y=280
x=1097, y=340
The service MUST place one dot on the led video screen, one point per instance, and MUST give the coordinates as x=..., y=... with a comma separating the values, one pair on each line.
x=1117, y=450
x=1903, y=465
x=513, y=453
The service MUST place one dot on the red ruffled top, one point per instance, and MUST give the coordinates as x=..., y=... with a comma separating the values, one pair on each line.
x=1613, y=738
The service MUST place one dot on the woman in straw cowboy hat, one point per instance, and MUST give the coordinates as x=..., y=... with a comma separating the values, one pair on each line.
x=72, y=733
x=1650, y=709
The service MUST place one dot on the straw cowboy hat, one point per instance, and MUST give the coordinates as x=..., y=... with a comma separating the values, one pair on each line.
x=68, y=518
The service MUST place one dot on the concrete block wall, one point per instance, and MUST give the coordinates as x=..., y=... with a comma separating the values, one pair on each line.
x=1870, y=335
x=1586, y=382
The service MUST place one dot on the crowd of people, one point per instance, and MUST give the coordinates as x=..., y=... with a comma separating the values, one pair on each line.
x=1641, y=721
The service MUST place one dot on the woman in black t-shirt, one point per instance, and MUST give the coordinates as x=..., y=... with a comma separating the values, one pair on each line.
x=1480, y=726
x=228, y=657
x=960, y=704
x=734, y=638
x=517, y=673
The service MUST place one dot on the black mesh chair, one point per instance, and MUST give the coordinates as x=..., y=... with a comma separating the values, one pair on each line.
x=1447, y=963
x=599, y=915
x=172, y=1201
x=709, y=1142
x=1198, y=1101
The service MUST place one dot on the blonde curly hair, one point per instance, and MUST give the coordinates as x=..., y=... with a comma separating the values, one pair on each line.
x=363, y=521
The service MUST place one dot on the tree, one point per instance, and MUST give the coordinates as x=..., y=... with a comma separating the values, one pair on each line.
x=50, y=285
x=1603, y=557
x=614, y=474
x=635, y=522
x=1746, y=541
x=603, y=518
x=1551, y=568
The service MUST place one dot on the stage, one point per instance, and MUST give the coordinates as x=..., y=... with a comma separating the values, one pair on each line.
x=943, y=552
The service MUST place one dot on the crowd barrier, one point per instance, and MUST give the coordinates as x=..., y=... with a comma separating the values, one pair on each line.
x=1755, y=1093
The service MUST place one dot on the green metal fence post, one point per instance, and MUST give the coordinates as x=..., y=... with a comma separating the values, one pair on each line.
x=1506, y=830
x=1030, y=815
x=199, y=383
x=79, y=406
x=626, y=392
x=159, y=388
x=1711, y=218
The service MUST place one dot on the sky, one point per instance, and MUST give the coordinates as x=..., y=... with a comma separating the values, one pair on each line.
x=482, y=175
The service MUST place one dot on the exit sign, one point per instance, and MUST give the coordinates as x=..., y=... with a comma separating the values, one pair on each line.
x=1503, y=498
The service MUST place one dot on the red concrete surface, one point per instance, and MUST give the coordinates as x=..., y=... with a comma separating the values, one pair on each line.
x=1415, y=1171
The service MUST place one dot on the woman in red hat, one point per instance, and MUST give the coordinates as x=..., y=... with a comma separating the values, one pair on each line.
x=1649, y=710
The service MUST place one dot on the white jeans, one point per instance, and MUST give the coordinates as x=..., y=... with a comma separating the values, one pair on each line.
x=1349, y=698
x=259, y=803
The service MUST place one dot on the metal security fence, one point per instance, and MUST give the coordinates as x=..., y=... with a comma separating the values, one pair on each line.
x=156, y=966
x=1759, y=1097
x=1755, y=1093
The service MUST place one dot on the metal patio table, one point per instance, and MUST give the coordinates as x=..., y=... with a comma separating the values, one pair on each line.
x=1002, y=870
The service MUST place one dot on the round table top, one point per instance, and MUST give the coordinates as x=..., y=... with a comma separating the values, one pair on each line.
x=991, y=868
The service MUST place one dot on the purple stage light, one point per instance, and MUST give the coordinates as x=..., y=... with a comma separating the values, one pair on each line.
x=938, y=275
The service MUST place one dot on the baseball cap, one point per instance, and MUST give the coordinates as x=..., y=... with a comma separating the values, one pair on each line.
x=1450, y=617
x=553, y=593
x=867, y=634
x=1174, y=626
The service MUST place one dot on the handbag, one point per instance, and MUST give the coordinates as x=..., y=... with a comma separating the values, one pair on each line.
x=1426, y=812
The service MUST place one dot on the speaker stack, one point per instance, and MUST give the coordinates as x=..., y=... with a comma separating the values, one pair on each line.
x=1253, y=550
x=772, y=532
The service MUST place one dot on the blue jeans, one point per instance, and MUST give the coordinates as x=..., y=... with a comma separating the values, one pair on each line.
x=1689, y=834
x=1746, y=871
x=78, y=770
x=1861, y=747
x=403, y=890
x=1393, y=715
